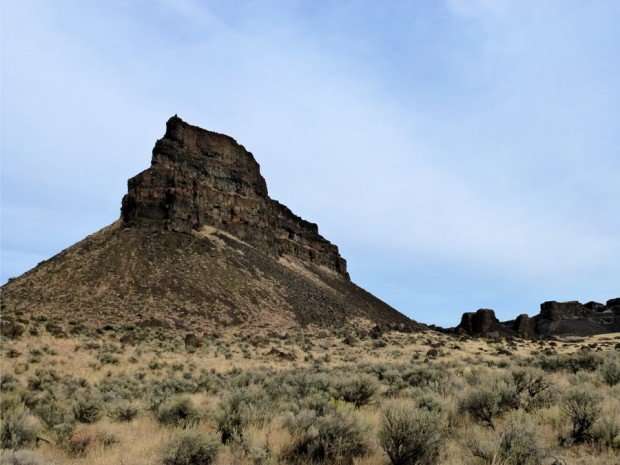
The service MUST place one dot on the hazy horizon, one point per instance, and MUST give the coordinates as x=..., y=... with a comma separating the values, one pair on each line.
x=461, y=154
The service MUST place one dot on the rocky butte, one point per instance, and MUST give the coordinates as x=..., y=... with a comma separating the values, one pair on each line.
x=199, y=244
x=200, y=178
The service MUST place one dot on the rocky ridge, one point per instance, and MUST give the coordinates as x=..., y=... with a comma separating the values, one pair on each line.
x=554, y=319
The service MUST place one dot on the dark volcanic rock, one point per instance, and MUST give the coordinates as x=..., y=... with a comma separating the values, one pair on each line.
x=481, y=323
x=613, y=305
x=554, y=319
x=556, y=311
x=524, y=326
x=594, y=306
x=201, y=178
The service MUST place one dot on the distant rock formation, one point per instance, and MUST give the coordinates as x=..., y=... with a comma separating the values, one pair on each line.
x=554, y=319
x=199, y=244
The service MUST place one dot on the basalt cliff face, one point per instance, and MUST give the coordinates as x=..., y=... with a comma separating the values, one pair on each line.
x=555, y=319
x=199, y=244
x=200, y=178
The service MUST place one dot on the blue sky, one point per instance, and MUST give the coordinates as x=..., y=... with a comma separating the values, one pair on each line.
x=462, y=154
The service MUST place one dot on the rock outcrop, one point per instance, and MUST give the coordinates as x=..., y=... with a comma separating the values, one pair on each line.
x=200, y=244
x=201, y=178
x=554, y=319
x=481, y=323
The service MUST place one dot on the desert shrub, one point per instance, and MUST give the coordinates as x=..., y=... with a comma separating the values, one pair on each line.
x=606, y=432
x=8, y=382
x=191, y=447
x=180, y=411
x=482, y=404
x=19, y=428
x=87, y=407
x=520, y=444
x=336, y=437
x=517, y=444
x=610, y=370
x=379, y=343
x=421, y=376
x=239, y=409
x=119, y=386
x=42, y=380
x=426, y=400
x=123, y=411
x=63, y=432
x=583, y=409
x=13, y=353
x=411, y=436
x=54, y=412
x=574, y=363
x=20, y=457
x=357, y=390
x=108, y=358
x=530, y=384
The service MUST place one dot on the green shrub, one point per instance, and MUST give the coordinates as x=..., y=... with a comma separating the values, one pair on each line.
x=43, y=379
x=421, y=376
x=482, y=404
x=530, y=384
x=53, y=412
x=606, y=432
x=334, y=438
x=191, y=447
x=357, y=390
x=239, y=409
x=520, y=444
x=411, y=436
x=427, y=400
x=108, y=358
x=517, y=444
x=179, y=411
x=610, y=370
x=581, y=361
x=87, y=407
x=19, y=428
x=124, y=411
x=583, y=409
x=8, y=382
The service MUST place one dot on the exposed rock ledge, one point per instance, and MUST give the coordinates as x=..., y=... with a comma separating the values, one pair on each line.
x=201, y=178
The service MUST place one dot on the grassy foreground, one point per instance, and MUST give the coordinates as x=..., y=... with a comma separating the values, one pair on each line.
x=354, y=396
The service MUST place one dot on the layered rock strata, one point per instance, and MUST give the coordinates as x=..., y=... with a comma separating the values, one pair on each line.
x=201, y=178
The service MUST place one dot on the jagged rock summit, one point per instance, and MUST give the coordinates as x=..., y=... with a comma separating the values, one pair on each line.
x=200, y=178
x=199, y=244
